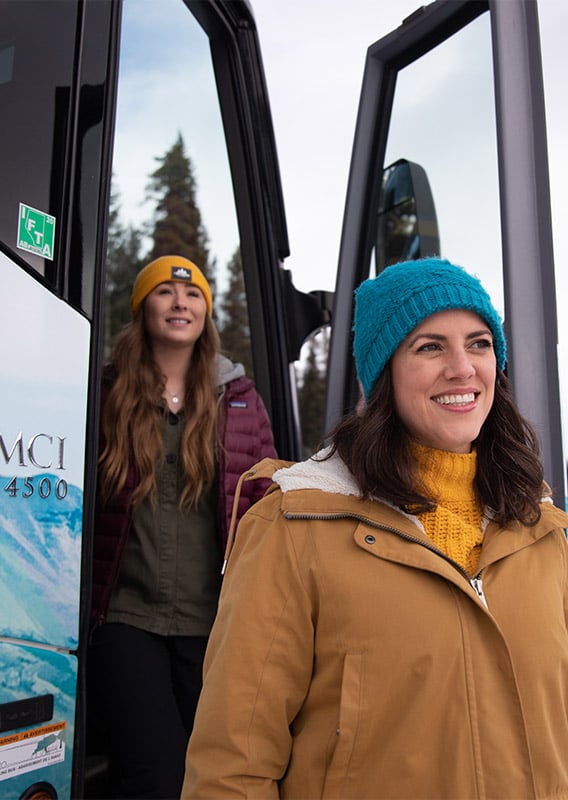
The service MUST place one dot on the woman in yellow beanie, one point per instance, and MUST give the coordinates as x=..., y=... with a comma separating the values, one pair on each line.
x=179, y=423
x=393, y=618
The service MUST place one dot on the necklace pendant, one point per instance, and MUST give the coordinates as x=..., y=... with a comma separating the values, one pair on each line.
x=175, y=399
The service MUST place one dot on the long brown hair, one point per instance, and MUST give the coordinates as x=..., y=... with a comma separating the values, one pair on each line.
x=132, y=416
x=375, y=446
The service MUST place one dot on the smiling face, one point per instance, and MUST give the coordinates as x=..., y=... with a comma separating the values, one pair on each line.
x=444, y=380
x=174, y=313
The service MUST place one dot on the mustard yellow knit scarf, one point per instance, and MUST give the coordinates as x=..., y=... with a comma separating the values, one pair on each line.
x=455, y=525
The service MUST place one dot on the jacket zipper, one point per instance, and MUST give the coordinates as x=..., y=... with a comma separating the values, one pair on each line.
x=476, y=582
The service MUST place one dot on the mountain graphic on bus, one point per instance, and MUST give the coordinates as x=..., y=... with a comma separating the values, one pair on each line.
x=40, y=559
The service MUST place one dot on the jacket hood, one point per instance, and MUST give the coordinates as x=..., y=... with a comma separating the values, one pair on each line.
x=326, y=490
x=228, y=370
x=318, y=472
x=330, y=475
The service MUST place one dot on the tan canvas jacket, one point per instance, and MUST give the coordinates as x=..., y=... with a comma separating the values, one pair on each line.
x=351, y=659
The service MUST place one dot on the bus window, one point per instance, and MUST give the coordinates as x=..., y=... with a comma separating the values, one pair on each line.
x=168, y=108
x=36, y=75
x=443, y=119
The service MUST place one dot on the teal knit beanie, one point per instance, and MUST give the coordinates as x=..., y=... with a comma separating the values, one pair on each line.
x=390, y=306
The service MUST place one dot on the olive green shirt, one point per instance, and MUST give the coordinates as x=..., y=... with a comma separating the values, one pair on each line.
x=170, y=573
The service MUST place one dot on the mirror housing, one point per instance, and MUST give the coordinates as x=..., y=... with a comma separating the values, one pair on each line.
x=407, y=226
x=306, y=312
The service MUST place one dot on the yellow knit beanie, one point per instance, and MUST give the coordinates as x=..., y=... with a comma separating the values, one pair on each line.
x=169, y=268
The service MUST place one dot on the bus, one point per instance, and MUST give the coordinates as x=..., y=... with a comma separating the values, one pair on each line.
x=90, y=97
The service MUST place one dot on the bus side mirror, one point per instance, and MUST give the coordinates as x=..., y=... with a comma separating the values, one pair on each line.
x=407, y=227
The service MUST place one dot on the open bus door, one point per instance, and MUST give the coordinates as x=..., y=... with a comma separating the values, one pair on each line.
x=72, y=75
x=457, y=89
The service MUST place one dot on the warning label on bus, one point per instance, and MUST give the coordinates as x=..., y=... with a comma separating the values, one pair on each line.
x=30, y=750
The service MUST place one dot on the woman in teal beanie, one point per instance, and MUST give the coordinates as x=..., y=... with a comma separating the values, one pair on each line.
x=389, y=307
x=393, y=618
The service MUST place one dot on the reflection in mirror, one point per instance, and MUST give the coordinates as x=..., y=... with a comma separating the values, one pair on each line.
x=310, y=373
x=407, y=227
x=172, y=188
x=443, y=119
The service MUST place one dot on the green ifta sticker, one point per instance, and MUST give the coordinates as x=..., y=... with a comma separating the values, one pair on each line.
x=36, y=231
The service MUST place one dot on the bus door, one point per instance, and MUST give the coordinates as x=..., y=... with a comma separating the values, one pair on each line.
x=450, y=159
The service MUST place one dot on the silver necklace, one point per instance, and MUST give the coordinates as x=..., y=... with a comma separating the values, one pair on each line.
x=173, y=395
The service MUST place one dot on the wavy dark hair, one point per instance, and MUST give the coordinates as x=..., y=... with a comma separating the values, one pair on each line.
x=375, y=446
x=131, y=416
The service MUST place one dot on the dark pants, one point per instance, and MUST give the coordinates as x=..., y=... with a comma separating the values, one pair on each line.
x=144, y=690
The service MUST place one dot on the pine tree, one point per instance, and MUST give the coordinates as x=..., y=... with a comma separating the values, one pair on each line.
x=234, y=325
x=177, y=225
x=122, y=265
